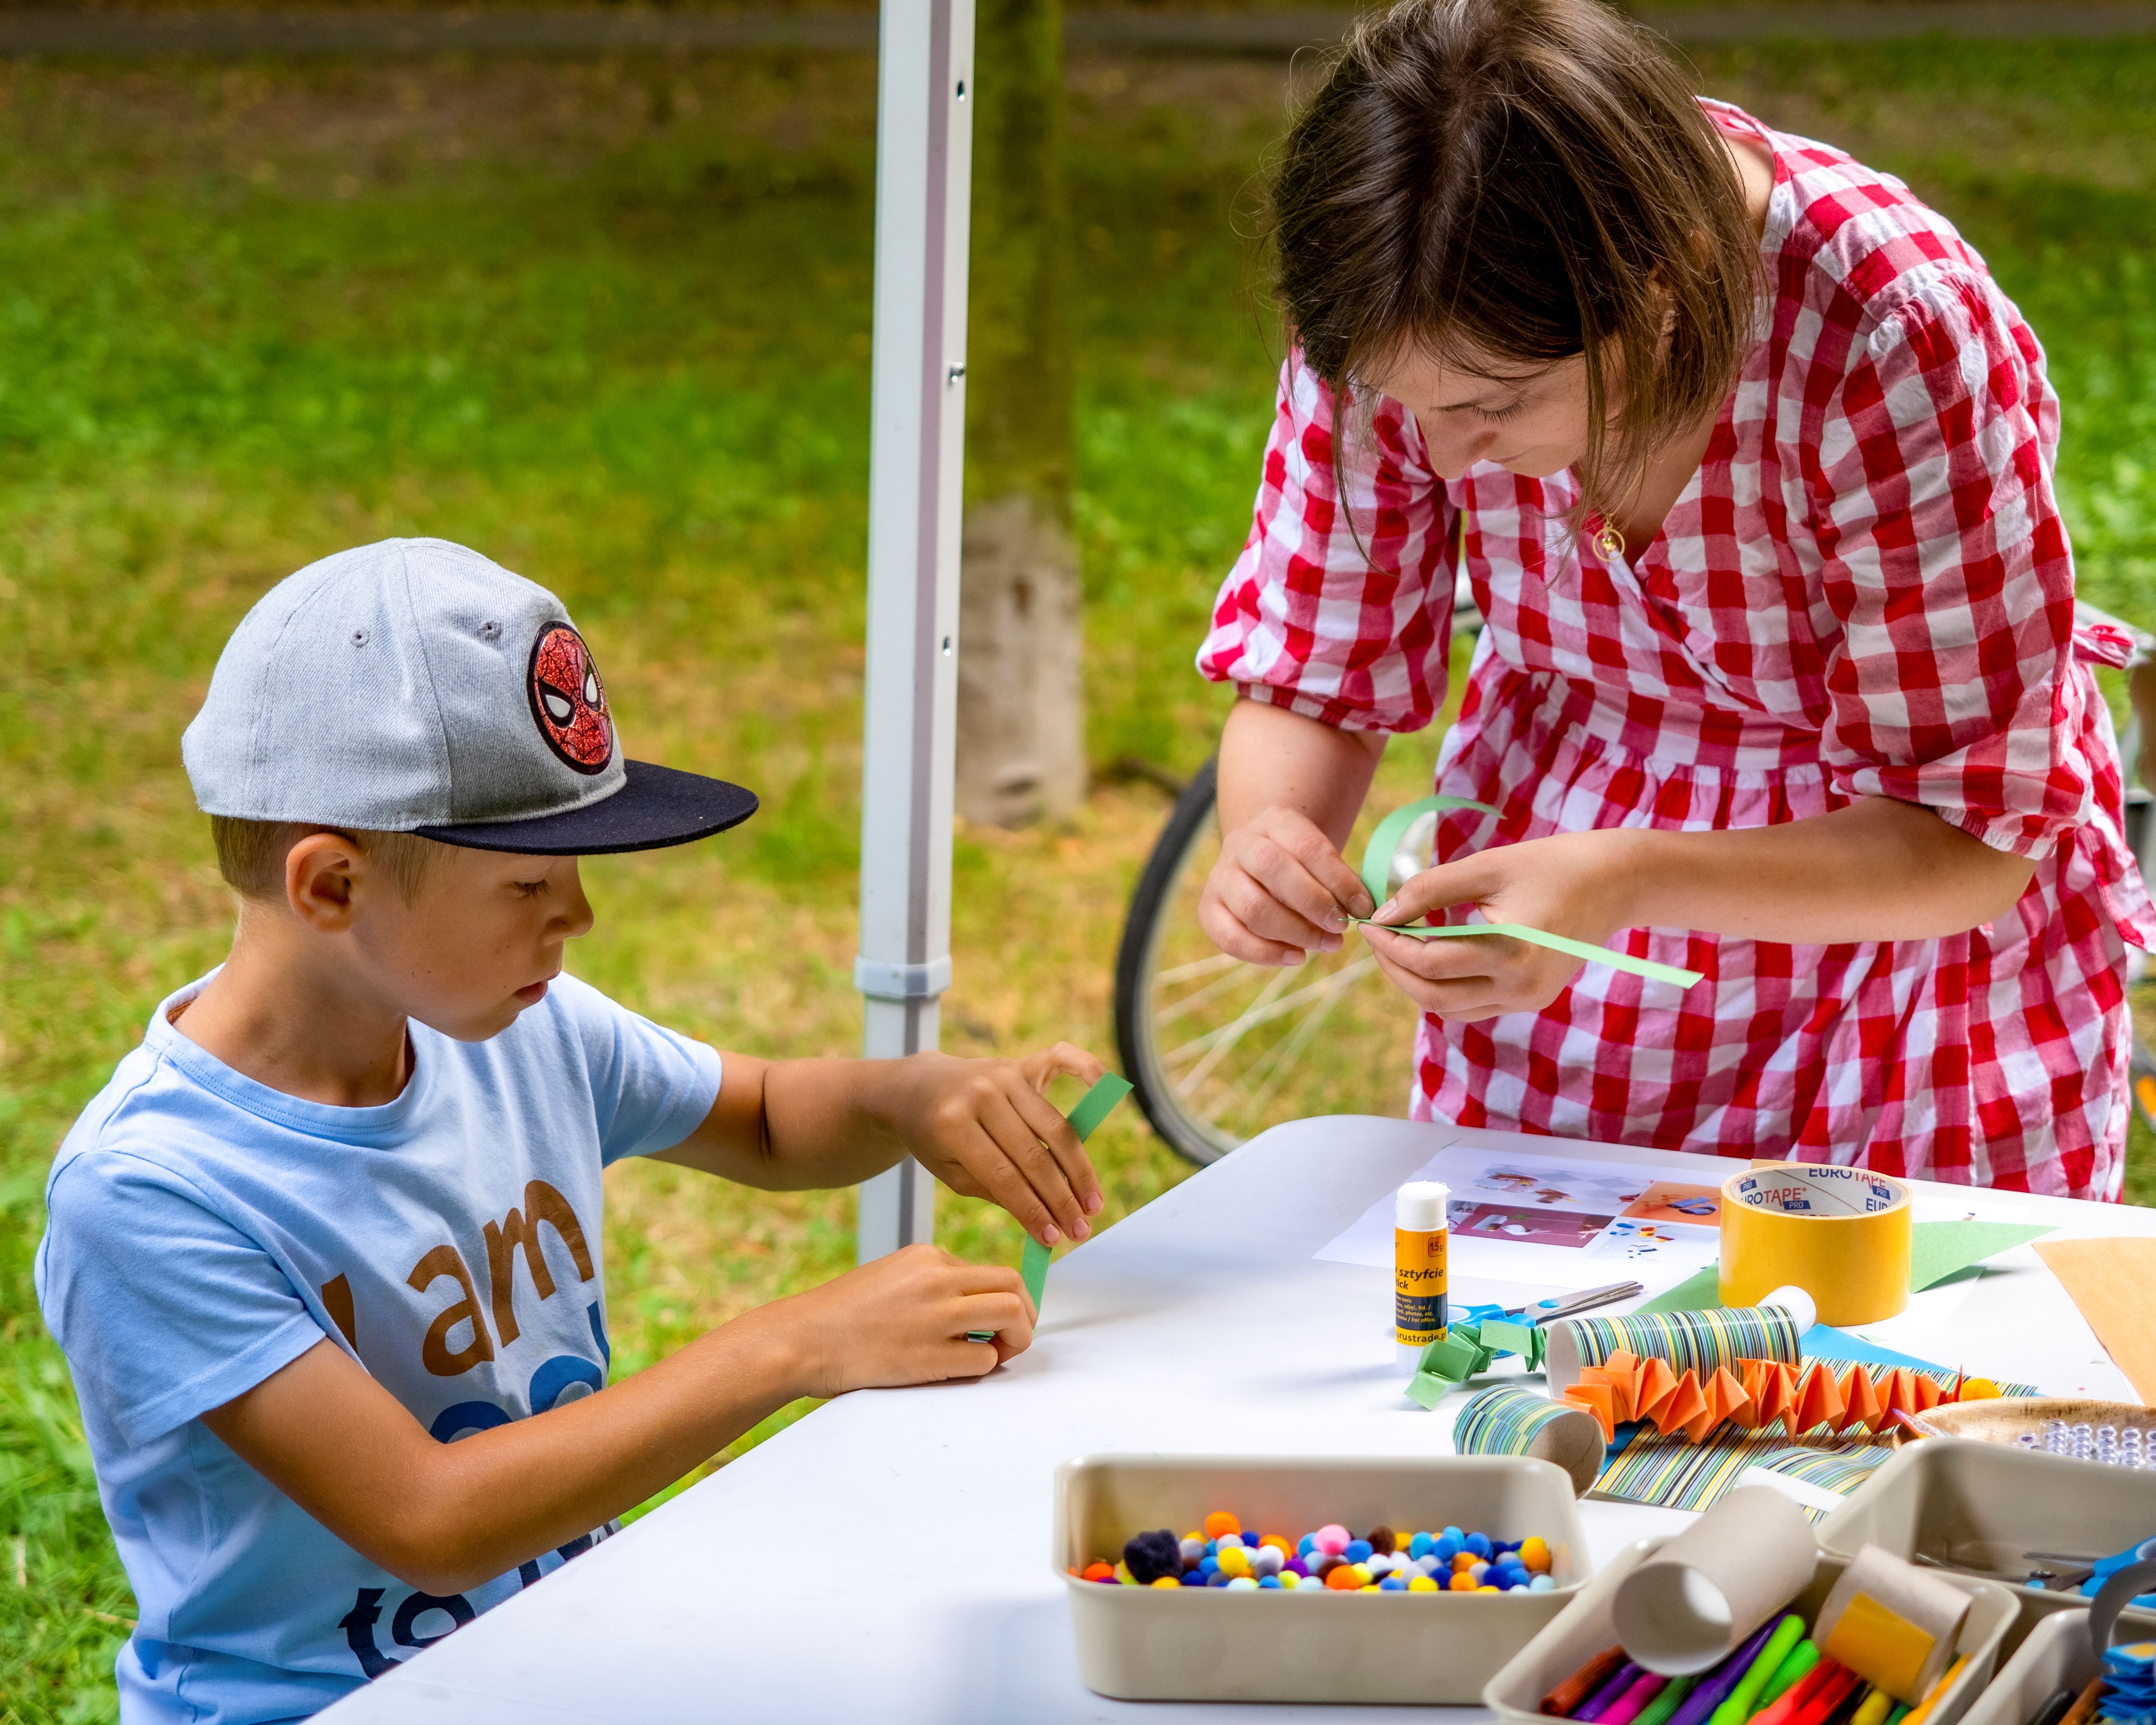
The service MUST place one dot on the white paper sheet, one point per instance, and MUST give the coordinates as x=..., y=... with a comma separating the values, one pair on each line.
x=1553, y=1222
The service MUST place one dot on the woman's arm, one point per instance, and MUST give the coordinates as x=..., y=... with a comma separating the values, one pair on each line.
x=1290, y=788
x=1876, y=871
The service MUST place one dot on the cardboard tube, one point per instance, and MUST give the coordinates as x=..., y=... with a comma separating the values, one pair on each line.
x=1890, y=1623
x=1707, y=1590
x=1699, y=1342
x=1508, y=1420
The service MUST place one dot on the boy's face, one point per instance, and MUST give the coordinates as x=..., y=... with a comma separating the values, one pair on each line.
x=478, y=943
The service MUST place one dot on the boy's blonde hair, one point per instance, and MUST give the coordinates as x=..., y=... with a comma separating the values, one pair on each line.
x=250, y=854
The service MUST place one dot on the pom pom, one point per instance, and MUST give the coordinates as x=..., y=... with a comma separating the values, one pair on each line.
x=1149, y=1556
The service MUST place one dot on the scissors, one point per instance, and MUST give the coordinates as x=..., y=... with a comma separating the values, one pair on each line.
x=1543, y=1311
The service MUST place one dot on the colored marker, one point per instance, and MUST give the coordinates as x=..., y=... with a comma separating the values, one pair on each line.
x=1737, y=1706
x=1804, y=1657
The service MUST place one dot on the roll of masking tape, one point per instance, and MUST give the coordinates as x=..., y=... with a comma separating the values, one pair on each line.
x=1842, y=1235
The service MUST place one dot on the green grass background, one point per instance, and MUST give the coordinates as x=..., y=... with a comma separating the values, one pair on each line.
x=607, y=320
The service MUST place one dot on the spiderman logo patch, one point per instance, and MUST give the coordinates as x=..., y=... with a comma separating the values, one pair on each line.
x=568, y=700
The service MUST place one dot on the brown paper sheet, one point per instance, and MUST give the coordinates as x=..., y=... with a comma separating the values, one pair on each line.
x=2113, y=1282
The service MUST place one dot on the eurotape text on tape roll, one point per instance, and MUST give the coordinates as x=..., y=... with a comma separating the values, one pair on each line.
x=1842, y=1235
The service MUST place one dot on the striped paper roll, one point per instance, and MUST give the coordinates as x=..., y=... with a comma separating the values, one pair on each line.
x=1702, y=1342
x=1510, y=1421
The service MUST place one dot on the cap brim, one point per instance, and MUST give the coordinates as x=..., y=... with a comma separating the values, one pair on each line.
x=655, y=807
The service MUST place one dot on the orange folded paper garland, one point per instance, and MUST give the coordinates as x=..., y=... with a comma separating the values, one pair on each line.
x=1758, y=1393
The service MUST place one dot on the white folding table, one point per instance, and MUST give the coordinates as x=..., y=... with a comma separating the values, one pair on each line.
x=887, y=1557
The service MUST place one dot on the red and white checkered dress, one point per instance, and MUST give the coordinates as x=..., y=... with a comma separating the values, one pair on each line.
x=1866, y=591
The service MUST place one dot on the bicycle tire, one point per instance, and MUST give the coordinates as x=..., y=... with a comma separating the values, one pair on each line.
x=1142, y=926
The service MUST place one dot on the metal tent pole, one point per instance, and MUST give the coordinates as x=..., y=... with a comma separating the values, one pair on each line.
x=924, y=174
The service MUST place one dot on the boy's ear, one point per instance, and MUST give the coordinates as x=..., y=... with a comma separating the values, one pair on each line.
x=319, y=871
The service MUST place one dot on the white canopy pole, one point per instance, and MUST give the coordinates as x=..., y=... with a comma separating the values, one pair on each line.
x=917, y=455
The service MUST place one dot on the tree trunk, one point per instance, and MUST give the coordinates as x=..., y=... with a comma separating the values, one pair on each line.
x=1021, y=702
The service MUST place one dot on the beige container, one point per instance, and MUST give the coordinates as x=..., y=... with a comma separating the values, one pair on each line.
x=1585, y=1629
x=2054, y=1655
x=1148, y=1644
x=1985, y=1506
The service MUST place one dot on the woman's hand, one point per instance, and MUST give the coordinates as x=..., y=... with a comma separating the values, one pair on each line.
x=1277, y=892
x=983, y=1128
x=1575, y=884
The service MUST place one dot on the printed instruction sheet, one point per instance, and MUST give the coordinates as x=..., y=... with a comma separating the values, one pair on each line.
x=1547, y=1221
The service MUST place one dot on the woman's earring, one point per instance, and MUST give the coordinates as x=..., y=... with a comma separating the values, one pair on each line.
x=1608, y=542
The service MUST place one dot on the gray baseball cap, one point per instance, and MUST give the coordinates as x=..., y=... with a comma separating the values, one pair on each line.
x=415, y=686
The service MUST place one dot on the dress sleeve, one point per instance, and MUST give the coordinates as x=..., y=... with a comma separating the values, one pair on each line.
x=651, y=1086
x=158, y=1337
x=1952, y=685
x=1348, y=624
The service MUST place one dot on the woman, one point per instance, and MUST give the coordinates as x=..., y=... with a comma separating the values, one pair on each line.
x=1748, y=462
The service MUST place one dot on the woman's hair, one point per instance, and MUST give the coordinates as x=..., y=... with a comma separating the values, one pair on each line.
x=1526, y=180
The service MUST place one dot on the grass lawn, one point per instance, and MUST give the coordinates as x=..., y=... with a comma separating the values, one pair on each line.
x=608, y=322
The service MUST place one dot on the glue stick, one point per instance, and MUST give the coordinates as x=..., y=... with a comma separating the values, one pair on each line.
x=1419, y=1285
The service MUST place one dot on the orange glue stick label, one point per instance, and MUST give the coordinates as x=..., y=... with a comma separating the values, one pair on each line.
x=1418, y=1286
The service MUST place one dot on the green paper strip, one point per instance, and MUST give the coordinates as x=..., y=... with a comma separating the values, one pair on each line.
x=1385, y=843
x=1426, y=1389
x=1376, y=875
x=1652, y=968
x=1093, y=1107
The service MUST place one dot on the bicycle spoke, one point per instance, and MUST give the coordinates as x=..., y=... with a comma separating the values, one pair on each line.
x=1197, y=967
x=1213, y=1043
x=1191, y=1002
x=1277, y=1065
x=1261, y=1011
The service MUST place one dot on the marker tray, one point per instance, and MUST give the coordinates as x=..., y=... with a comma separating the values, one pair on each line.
x=2055, y=1654
x=1583, y=1629
x=1149, y=1644
x=1986, y=1506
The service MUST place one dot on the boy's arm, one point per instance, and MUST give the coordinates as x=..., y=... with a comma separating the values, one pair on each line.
x=982, y=1127
x=443, y=1517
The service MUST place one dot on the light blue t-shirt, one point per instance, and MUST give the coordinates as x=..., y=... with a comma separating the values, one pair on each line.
x=205, y=1230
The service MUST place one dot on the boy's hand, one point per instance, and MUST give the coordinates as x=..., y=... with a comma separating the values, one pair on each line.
x=903, y=1319
x=983, y=1128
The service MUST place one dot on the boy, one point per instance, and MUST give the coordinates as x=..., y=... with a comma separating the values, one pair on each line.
x=324, y=1254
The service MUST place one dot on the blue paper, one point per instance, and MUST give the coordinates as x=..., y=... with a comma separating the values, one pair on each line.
x=1824, y=1341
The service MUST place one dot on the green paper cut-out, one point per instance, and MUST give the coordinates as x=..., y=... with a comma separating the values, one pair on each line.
x=1376, y=875
x=1458, y=1356
x=1522, y=1339
x=1698, y=1293
x=1426, y=1389
x=1939, y=1250
x=1093, y=1107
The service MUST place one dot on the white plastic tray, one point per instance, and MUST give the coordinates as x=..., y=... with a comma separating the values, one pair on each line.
x=2055, y=1654
x=1149, y=1644
x=1584, y=1630
x=1986, y=1506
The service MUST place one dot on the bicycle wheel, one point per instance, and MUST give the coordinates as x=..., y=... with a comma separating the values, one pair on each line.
x=1218, y=1050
